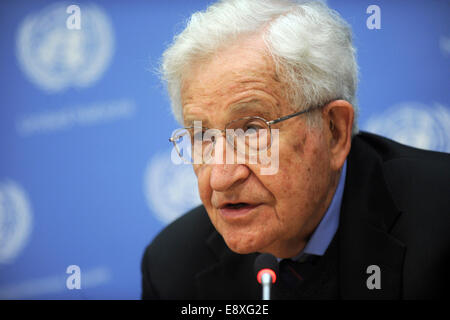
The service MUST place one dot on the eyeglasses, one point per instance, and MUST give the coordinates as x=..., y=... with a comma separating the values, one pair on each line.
x=248, y=135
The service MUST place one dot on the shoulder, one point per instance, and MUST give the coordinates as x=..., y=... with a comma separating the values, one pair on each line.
x=418, y=182
x=388, y=149
x=176, y=255
x=412, y=175
x=409, y=171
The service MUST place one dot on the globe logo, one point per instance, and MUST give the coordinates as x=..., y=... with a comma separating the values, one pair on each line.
x=415, y=124
x=55, y=57
x=170, y=189
x=15, y=220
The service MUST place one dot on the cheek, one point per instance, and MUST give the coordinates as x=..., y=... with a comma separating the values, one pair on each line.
x=303, y=171
x=316, y=174
x=291, y=170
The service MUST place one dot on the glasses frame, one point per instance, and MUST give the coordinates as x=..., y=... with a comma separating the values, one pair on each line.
x=269, y=124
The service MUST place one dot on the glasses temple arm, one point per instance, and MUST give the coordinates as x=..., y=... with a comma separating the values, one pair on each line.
x=288, y=116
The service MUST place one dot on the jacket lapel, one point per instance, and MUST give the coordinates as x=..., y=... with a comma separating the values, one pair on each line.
x=368, y=214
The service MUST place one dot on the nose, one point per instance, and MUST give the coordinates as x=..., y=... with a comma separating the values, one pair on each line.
x=224, y=176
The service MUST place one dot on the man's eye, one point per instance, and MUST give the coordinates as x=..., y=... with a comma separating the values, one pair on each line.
x=253, y=127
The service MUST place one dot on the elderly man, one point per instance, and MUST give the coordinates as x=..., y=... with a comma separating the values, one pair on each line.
x=347, y=214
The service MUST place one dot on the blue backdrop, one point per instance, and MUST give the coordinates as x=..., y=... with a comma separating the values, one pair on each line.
x=85, y=171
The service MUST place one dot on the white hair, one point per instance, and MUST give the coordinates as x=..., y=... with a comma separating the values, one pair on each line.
x=311, y=46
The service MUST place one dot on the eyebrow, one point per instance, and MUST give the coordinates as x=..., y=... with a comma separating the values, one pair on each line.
x=252, y=107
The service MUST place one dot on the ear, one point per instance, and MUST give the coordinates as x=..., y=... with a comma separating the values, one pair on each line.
x=338, y=116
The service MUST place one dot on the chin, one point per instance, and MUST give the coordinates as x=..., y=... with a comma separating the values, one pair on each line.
x=246, y=244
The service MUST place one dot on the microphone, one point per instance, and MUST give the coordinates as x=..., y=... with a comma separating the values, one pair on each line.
x=266, y=270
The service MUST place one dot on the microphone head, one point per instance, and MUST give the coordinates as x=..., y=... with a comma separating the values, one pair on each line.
x=266, y=262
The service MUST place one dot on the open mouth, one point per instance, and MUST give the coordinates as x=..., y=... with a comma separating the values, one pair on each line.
x=236, y=205
x=235, y=210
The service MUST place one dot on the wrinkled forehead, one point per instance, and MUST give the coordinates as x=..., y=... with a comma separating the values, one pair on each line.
x=230, y=81
x=237, y=62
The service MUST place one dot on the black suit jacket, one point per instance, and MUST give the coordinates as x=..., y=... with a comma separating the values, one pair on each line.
x=395, y=214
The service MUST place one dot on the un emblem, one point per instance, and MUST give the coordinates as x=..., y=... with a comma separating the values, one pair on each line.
x=415, y=124
x=55, y=57
x=170, y=189
x=15, y=220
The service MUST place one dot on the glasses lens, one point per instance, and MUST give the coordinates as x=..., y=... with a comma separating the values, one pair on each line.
x=192, y=144
x=247, y=135
x=251, y=135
